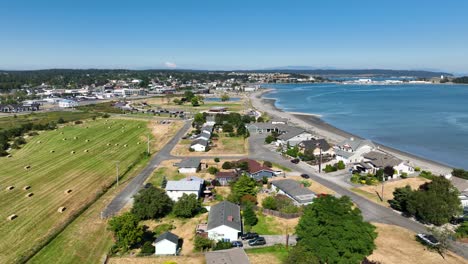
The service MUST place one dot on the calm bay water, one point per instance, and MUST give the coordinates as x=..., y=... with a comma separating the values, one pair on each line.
x=430, y=121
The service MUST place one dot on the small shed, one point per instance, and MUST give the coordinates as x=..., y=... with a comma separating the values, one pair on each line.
x=166, y=244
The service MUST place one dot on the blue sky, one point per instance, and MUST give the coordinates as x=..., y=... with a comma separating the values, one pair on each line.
x=234, y=34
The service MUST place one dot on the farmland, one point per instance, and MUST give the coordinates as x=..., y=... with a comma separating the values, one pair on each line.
x=79, y=158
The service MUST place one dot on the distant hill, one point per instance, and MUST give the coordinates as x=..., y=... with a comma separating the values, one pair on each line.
x=356, y=72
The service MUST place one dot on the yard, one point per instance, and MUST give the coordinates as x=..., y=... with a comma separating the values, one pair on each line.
x=272, y=255
x=192, y=259
x=80, y=158
x=398, y=245
x=224, y=146
x=374, y=192
x=168, y=103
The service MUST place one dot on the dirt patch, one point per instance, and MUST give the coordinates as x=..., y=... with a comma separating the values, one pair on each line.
x=314, y=186
x=375, y=191
x=269, y=258
x=163, y=133
x=398, y=245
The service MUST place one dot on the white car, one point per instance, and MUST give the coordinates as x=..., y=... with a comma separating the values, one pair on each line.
x=428, y=239
x=278, y=173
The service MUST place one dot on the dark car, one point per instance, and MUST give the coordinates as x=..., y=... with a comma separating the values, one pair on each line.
x=305, y=176
x=237, y=244
x=295, y=161
x=257, y=241
x=249, y=236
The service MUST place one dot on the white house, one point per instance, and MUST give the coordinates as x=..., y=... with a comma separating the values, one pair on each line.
x=175, y=189
x=189, y=165
x=374, y=161
x=293, y=136
x=352, y=150
x=294, y=190
x=166, y=244
x=204, y=135
x=199, y=145
x=65, y=103
x=224, y=222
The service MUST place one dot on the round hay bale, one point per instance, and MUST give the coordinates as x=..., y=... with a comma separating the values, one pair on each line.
x=75, y=137
x=29, y=195
x=52, y=151
x=108, y=144
x=27, y=187
x=138, y=143
x=9, y=156
x=139, y=126
x=116, y=144
x=108, y=127
x=125, y=145
x=64, y=139
x=61, y=209
x=39, y=142
x=86, y=150
x=27, y=167
x=87, y=140
x=68, y=191
x=61, y=133
x=72, y=152
x=9, y=188
x=12, y=217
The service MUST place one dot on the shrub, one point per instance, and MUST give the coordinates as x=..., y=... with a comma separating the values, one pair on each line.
x=270, y=203
x=268, y=164
x=269, y=139
x=160, y=229
x=34, y=133
x=264, y=180
x=202, y=243
x=427, y=174
x=340, y=165
x=106, y=115
x=248, y=198
x=404, y=175
x=220, y=245
x=187, y=206
x=462, y=230
x=147, y=248
x=216, y=159
x=460, y=173
x=78, y=122
x=227, y=165
x=417, y=169
x=212, y=170
x=329, y=168
x=60, y=121
x=306, y=183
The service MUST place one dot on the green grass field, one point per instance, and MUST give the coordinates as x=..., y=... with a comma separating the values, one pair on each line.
x=43, y=118
x=87, y=174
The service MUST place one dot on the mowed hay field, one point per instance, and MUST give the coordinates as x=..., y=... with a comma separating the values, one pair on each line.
x=51, y=174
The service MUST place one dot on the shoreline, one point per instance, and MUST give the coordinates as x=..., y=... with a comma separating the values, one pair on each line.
x=314, y=124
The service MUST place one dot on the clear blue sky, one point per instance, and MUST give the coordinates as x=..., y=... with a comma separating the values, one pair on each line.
x=409, y=34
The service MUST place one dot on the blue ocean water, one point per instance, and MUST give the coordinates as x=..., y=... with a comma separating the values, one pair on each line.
x=430, y=121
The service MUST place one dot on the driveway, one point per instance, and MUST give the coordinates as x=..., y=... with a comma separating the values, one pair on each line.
x=272, y=240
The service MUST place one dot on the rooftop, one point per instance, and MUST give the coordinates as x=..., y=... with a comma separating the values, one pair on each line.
x=167, y=236
x=225, y=213
x=183, y=186
x=296, y=190
x=312, y=144
x=254, y=166
x=381, y=160
x=189, y=163
x=355, y=143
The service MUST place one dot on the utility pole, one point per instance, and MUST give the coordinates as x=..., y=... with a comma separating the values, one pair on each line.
x=320, y=160
x=148, y=150
x=383, y=180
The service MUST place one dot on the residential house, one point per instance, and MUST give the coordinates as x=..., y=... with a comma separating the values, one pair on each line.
x=279, y=121
x=189, y=165
x=352, y=150
x=199, y=145
x=166, y=244
x=227, y=256
x=293, y=136
x=210, y=121
x=316, y=145
x=16, y=108
x=261, y=128
x=225, y=177
x=294, y=190
x=224, y=221
x=204, y=135
x=175, y=189
x=374, y=161
x=207, y=129
x=256, y=170
x=459, y=183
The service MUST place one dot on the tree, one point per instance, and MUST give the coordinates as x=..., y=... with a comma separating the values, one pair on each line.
x=225, y=97
x=228, y=128
x=250, y=218
x=269, y=139
x=443, y=235
x=164, y=182
x=151, y=203
x=389, y=171
x=189, y=95
x=327, y=227
x=199, y=119
x=270, y=203
x=300, y=254
x=435, y=202
x=216, y=159
x=195, y=101
x=400, y=198
x=246, y=119
x=227, y=165
x=187, y=206
x=178, y=101
x=260, y=120
x=244, y=185
x=212, y=170
x=340, y=165
x=241, y=130
x=267, y=163
x=202, y=243
x=126, y=230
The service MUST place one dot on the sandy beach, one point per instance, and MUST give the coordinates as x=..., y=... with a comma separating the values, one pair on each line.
x=314, y=124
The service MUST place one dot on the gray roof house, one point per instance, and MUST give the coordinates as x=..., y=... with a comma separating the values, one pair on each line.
x=381, y=160
x=189, y=163
x=204, y=135
x=183, y=185
x=167, y=236
x=224, y=221
x=199, y=141
x=294, y=190
x=353, y=144
x=227, y=256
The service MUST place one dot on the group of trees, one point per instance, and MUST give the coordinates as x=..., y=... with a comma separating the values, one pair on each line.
x=460, y=173
x=243, y=165
x=233, y=123
x=463, y=79
x=280, y=203
x=332, y=230
x=435, y=202
x=244, y=189
x=337, y=166
x=149, y=203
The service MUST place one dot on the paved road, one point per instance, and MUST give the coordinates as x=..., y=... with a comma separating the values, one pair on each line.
x=137, y=183
x=371, y=212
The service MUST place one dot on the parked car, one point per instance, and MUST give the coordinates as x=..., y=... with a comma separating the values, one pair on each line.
x=278, y=173
x=249, y=236
x=428, y=239
x=295, y=161
x=305, y=176
x=237, y=244
x=257, y=241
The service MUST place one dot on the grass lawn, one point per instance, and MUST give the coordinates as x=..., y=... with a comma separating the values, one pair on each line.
x=42, y=118
x=281, y=167
x=87, y=174
x=267, y=225
x=165, y=169
x=272, y=255
x=374, y=192
x=223, y=146
x=168, y=103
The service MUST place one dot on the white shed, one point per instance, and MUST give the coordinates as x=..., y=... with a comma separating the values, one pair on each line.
x=166, y=244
